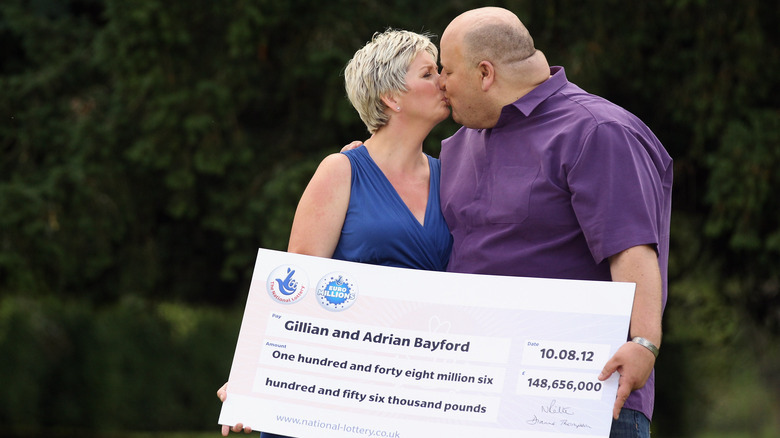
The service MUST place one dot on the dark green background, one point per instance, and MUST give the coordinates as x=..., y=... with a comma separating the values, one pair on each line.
x=149, y=147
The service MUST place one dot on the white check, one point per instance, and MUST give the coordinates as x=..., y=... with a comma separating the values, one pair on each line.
x=338, y=349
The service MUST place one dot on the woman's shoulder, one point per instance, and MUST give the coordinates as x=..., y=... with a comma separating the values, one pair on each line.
x=334, y=170
x=335, y=162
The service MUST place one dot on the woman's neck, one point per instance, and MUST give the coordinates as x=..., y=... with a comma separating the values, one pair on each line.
x=397, y=150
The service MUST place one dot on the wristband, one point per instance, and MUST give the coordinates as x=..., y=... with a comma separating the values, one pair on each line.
x=647, y=344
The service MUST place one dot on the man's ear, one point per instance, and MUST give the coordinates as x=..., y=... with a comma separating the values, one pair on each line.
x=487, y=73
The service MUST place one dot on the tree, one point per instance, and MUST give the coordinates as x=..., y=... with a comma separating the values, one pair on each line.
x=147, y=148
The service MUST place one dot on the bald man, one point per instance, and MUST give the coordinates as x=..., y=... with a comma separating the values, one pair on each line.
x=547, y=180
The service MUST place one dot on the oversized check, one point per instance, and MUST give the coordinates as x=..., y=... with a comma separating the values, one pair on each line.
x=339, y=349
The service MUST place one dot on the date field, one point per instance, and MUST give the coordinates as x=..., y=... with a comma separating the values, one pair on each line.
x=570, y=355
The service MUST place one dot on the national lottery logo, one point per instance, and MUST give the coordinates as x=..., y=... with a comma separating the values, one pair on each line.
x=336, y=291
x=287, y=284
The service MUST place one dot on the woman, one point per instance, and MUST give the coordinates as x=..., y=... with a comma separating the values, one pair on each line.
x=379, y=203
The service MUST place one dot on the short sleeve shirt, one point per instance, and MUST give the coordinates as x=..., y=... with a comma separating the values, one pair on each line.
x=564, y=180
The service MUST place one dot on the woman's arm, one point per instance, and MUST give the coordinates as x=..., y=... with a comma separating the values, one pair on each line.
x=317, y=225
x=321, y=211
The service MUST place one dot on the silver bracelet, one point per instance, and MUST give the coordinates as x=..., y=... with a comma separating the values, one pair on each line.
x=647, y=344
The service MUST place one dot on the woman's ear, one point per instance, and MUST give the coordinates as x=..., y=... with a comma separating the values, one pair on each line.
x=391, y=102
x=487, y=72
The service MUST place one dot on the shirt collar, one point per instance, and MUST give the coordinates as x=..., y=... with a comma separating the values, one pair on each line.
x=528, y=103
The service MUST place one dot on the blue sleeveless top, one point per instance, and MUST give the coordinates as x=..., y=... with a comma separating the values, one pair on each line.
x=380, y=229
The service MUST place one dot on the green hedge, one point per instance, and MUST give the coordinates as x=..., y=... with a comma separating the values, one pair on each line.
x=70, y=368
x=135, y=365
x=149, y=147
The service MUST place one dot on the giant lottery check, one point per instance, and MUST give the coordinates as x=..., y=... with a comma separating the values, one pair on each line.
x=338, y=349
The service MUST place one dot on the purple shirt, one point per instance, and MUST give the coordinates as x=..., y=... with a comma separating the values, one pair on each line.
x=563, y=181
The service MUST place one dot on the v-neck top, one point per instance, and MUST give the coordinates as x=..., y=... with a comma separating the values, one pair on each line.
x=380, y=229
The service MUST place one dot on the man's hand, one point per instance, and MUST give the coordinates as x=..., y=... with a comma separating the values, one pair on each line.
x=351, y=146
x=634, y=363
x=222, y=394
x=639, y=265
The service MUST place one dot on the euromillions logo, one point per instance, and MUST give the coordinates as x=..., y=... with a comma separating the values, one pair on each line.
x=287, y=284
x=336, y=292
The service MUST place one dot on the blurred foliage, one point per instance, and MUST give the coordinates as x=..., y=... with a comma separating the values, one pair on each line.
x=149, y=147
x=130, y=365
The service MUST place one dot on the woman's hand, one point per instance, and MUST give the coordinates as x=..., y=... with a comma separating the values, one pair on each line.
x=222, y=394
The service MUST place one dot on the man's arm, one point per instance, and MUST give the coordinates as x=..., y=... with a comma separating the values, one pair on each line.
x=633, y=361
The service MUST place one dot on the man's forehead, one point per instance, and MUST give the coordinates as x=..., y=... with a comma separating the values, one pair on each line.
x=447, y=53
x=442, y=61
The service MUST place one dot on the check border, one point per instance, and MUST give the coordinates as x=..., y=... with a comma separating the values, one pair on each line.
x=536, y=344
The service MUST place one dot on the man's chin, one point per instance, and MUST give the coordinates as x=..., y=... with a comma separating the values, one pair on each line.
x=456, y=117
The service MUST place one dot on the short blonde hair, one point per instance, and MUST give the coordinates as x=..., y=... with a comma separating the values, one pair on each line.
x=379, y=69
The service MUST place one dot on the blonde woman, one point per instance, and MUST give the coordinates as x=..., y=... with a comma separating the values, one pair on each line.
x=379, y=203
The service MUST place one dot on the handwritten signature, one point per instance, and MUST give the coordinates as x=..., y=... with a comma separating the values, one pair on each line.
x=575, y=425
x=538, y=421
x=553, y=408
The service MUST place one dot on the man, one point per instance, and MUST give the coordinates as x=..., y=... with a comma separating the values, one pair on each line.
x=546, y=180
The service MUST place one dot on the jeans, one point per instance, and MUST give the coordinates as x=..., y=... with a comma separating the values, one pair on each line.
x=630, y=424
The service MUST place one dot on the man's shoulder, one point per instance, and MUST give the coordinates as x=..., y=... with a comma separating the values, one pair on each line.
x=591, y=109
